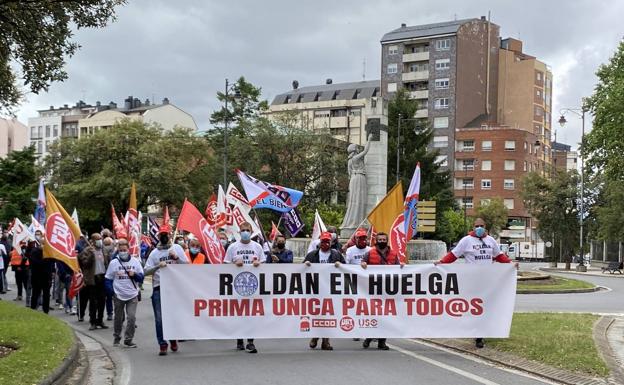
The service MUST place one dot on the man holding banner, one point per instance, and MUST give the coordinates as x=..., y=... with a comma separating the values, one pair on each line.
x=477, y=248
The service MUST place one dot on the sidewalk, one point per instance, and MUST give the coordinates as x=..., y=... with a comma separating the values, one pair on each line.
x=594, y=271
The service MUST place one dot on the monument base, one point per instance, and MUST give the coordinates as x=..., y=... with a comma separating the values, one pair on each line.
x=347, y=232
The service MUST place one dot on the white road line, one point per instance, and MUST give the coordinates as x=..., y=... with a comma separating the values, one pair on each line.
x=444, y=366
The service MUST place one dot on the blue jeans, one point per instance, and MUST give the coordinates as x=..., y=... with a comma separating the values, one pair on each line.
x=158, y=316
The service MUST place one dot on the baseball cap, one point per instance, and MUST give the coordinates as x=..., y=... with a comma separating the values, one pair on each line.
x=360, y=233
x=326, y=236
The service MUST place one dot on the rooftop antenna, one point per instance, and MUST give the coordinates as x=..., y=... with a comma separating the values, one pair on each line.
x=363, y=69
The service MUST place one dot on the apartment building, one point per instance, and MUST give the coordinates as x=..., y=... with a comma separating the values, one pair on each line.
x=563, y=157
x=13, y=136
x=342, y=109
x=491, y=162
x=450, y=69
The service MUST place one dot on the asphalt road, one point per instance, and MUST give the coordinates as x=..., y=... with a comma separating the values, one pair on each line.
x=291, y=362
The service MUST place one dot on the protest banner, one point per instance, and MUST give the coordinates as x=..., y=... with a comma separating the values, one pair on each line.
x=296, y=301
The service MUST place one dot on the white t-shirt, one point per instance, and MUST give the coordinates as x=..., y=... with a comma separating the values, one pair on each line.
x=122, y=284
x=246, y=252
x=158, y=255
x=355, y=254
x=477, y=250
x=324, y=256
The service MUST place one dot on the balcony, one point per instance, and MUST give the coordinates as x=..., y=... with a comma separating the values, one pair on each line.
x=417, y=56
x=422, y=113
x=420, y=94
x=413, y=76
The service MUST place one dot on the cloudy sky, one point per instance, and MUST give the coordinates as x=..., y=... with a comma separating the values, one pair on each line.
x=185, y=49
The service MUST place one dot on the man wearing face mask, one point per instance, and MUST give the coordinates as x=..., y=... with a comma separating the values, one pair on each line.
x=324, y=254
x=245, y=252
x=279, y=252
x=194, y=254
x=355, y=253
x=109, y=251
x=223, y=239
x=94, y=266
x=164, y=254
x=477, y=248
x=123, y=276
x=41, y=273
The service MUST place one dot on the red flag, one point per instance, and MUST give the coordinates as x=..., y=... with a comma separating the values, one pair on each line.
x=191, y=220
x=274, y=232
x=166, y=226
x=118, y=228
x=211, y=210
x=77, y=283
x=397, y=237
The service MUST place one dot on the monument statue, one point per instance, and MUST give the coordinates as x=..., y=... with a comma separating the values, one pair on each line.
x=358, y=189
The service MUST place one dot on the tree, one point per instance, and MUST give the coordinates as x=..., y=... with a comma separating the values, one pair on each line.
x=37, y=36
x=18, y=190
x=554, y=203
x=416, y=136
x=451, y=226
x=94, y=171
x=494, y=214
x=610, y=223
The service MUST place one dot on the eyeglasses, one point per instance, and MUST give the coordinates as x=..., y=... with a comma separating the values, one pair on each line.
x=479, y=226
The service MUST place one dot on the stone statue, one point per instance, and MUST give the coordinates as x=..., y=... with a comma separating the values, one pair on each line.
x=358, y=190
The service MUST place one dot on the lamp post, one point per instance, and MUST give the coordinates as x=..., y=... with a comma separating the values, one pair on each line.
x=228, y=87
x=398, y=154
x=465, y=166
x=562, y=121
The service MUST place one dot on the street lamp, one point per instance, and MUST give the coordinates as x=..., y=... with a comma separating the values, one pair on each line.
x=398, y=155
x=228, y=88
x=465, y=165
x=562, y=121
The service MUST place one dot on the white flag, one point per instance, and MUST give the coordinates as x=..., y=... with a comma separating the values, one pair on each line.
x=75, y=217
x=20, y=234
x=35, y=225
x=317, y=229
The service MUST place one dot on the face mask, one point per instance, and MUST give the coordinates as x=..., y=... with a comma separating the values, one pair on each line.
x=361, y=243
x=382, y=245
x=181, y=242
x=245, y=235
x=98, y=244
x=39, y=238
x=194, y=250
x=479, y=231
x=164, y=239
x=124, y=256
x=224, y=242
x=333, y=235
x=281, y=245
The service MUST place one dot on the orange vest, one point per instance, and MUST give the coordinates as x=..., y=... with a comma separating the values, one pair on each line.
x=16, y=259
x=200, y=258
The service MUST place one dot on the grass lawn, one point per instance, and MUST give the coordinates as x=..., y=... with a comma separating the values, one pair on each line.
x=42, y=343
x=560, y=340
x=554, y=283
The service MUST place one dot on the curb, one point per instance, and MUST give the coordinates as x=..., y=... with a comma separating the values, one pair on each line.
x=67, y=366
x=565, y=291
x=587, y=274
x=604, y=348
x=515, y=362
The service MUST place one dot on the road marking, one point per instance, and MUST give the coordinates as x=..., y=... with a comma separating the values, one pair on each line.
x=442, y=365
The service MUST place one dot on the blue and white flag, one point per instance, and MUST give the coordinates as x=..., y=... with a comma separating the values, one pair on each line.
x=263, y=195
x=293, y=222
x=40, y=210
x=411, y=202
x=152, y=229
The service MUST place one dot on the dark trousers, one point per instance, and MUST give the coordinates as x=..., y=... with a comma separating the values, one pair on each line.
x=20, y=281
x=97, y=301
x=85, y=295
x=40, y=287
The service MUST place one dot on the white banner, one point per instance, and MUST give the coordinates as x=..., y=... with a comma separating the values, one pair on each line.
x=295, y=301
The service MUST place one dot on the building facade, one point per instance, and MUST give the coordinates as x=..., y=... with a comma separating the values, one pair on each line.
x=564, y=158
x=450, y=69
x=13, y=136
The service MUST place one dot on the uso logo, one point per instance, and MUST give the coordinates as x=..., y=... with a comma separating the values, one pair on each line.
x=347, y=324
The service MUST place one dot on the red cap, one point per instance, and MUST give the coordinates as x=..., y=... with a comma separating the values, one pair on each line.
x=164, y=228
x=361, y=233
x=326, y=236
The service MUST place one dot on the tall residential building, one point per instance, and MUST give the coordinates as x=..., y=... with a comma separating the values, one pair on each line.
x=525, y=95
x=341, y=109
x=563, y=157
x=82, y=119
x=450, y=68
x=13, y=136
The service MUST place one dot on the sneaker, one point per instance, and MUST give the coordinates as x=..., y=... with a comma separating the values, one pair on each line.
x=366, y=343
x=251, y=348
x=130, y=344
x=102, y=326
x=240, y=345
x=81, y=319
x=383, y=347
x=60, y=306
x=116, y=342
x=174, y=346
x=109, y=317
x=479, y=343
x=163, y=350
x=92, y=327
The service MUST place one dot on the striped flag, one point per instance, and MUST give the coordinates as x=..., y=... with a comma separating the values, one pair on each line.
x=263, y=195
x=152, y=230
x=410, y=214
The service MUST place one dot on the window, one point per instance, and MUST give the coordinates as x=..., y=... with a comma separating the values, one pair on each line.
x=440, y=141
x=486, y=184
x=538, y=76
x=55, y=130
x=538, y=111
x=417, y=67
x=442, y=84
x=486, y=165
x=442, y=160
x=468, y=145
x=47, y=131
x=467, y=164
x=287, y=100
x=443, y=45
x=442, y=64
x=441, y=122
x=338, y=113
x=510, y=165
x=510, y=145
x=467, y=202
x=39, y=146
x=509, y=184
x=467, y=183
x=392, y=68
x=441, y=103
x=393, y=49
x=525, y=165
x=509, y=203
x=321, y=114
x=392, y=87
x=486, y=145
